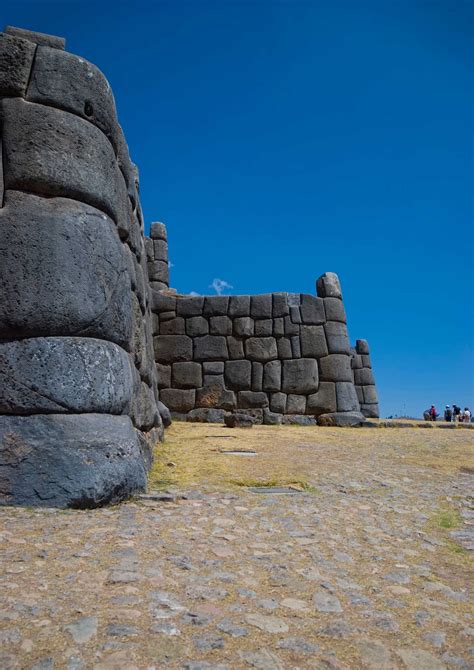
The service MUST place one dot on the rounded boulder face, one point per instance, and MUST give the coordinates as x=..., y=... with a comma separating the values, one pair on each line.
x=62, y=271
x=64, y=375
x=75, y=460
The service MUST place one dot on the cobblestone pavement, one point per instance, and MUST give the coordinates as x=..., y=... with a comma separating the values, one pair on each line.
x=365, y=567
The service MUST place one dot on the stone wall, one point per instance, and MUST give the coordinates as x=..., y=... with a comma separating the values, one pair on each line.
x=78, y=384
x=280, y=357
x=364, y=379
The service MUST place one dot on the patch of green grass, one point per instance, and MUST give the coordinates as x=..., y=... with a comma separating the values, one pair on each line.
x=455, y=548
x=447, y=518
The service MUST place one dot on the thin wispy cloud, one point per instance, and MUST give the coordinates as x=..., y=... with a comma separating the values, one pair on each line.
x=220, y=285
x=170, y=264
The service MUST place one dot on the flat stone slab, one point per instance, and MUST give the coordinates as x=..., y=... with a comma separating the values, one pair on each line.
x=273, y=490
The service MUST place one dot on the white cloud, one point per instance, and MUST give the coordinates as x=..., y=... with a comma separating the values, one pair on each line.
x=170, y=264
x=219, y=285
x=194, y=293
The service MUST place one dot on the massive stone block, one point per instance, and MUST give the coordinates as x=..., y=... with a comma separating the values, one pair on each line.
x=62, y=271
x=173, y=348
x=272, y=376
x=68, y=82
x=51, y=152
x=323, y=401
x=312, y=310
x=300, y=376
x=238, y=375
x=64, y=374
x=337, y=338
x=178, y=400
x=244, y=326
x=84, y=460
x=336, y=368
x=313, y=342
x=364, y=377
x=261, y=348
x=210, y=348
x=239, y=305
x=16, y=59
x=187, y=375
x=347, y=400
x=261, y=306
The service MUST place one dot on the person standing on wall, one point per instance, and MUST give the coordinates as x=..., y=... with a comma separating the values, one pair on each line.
x=466, y=416
x=456, y=413
x=433, y=414
x=448, y=415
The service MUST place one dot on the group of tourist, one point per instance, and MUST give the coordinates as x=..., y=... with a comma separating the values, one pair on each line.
x=450, y=414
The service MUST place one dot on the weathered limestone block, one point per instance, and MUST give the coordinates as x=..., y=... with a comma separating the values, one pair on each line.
x=173, y=326
x=366, y=362
x=278, y=402
x=41, y=39
x=64, y=374
x=337, y=338
x=356, y=360
x=220, y=325
x=159, y=271
x=298, y=420
x=239, y=305
x=280, y=305
x=295, y=346
x=236, y=348
x=284, y=348
x=370, y=411
x=278, y=327
x=16, y=59
x=336, y=368
x=346, y=395
x=62, y=271
x=360, y=394
x=295, y=404
x=370, y=395
x=178, y=400
x=335, y=311
x=216, y=305
x=313, y=342
x=56, y=153
x=295, y=314
x=66, y=81
x=164, y=375
x=197, y=325
x=261, y=306
x=163, y=302
x=146, y=412
x=160, y=250
x=328, y=286
x=290, y=327
x=300, y=376
x=362, y=347
x=167, y=316
x=84, y=460
x=187, y=375
x=173, y=348
x=271, y=418
x=263, y=327
x=238, y=375
x=364, y=377
x=257, y=376
x=250, y=399
x=244, y=326
x=213, y=367
x=206, y=415
x=261, y=348
x=217, y=396
x=158, y=231
x=324, y=401
x=341, y=419
x=312, y=310
x=272, y=376
x=213, y=380
x=239, y=420
x=164, y=413
x=210, y=347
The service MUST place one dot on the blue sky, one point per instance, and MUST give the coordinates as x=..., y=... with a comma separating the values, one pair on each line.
x=280, y=140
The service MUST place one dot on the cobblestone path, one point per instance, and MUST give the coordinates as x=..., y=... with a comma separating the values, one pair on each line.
x=363, y=564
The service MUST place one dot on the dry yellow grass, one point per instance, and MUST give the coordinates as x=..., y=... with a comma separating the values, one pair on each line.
x=302, y=456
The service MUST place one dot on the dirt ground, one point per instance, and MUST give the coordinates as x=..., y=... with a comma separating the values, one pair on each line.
x=325, y=548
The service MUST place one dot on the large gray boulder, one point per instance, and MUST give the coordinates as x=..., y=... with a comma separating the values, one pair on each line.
x=64, y=374
x=69, y=269
x=16, y=59
x=55, y=153
x=85, y=460
x=300, y=376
